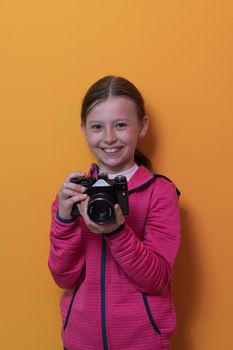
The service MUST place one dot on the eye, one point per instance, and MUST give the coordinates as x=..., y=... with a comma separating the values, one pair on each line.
x=96, y=127
x=121, y=125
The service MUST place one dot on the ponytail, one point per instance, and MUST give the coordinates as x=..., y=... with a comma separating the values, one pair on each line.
x=141, y=159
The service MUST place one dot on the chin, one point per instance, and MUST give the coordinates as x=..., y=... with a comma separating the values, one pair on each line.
x=113, y=165
x=116, y=166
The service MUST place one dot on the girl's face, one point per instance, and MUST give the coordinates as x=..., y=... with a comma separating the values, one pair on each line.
x=112, y=130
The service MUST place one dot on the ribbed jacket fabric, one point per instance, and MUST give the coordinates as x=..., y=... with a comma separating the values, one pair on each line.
x=118, y=287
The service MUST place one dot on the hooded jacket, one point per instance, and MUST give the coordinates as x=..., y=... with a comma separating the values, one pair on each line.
x=118, y=285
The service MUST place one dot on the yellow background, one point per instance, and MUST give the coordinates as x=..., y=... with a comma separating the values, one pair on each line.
x=179, y=54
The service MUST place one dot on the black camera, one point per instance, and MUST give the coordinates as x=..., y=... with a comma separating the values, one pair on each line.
x=103, y=193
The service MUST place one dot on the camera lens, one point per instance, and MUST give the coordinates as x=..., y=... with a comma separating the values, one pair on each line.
x=100, y=208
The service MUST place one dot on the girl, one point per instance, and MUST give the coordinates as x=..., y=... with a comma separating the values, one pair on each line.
x=117, y=275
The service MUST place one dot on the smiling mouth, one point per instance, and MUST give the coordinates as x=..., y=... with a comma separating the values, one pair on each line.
x=111, y=150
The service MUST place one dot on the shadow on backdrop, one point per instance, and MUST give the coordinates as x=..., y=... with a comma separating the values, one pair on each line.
x=187, y=273
x=186, y=284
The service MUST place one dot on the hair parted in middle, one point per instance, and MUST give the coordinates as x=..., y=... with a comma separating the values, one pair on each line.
x=113, y=86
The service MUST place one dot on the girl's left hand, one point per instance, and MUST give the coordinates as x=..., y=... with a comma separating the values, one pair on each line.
x=103, y=228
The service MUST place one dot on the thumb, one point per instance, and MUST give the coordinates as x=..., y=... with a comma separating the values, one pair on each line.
x=118, y=213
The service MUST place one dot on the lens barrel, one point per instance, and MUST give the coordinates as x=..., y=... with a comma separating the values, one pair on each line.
x=100, y=208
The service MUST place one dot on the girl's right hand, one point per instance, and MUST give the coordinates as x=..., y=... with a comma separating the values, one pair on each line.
x=70, y=194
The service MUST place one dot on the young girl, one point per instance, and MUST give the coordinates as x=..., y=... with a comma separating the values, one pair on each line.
x=117, y=275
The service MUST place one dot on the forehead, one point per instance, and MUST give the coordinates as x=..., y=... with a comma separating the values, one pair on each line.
x=115, y=107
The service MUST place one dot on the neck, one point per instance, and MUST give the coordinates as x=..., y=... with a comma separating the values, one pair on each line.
x=128, y=173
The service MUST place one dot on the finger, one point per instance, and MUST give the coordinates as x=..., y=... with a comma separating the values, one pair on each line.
x=83, y=206
x=118, y=211
x=81, y=211
x=74, y=187
x=95, y=228
x=76, y=199
x=69, y=193
x=75, y=174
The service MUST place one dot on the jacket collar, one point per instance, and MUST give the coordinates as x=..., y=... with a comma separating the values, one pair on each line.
x=140, y=178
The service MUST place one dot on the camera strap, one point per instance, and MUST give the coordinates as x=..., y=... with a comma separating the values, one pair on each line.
x=166, y=178
x=94, y=171
x=152, y=179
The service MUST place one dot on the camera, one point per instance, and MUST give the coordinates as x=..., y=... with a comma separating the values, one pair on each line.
x=104, y=193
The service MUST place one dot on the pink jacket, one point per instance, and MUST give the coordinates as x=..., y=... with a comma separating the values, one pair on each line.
x=118, y=286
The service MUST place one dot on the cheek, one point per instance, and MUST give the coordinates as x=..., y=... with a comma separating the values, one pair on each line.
x=93, y=139
x=131, y=137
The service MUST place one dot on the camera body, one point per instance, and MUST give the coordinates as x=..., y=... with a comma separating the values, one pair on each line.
x=104, y=193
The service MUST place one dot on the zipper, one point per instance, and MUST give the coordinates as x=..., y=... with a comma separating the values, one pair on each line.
x=103, y=294
x=69, y=309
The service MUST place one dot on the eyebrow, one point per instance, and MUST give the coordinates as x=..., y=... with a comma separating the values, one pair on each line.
x=114, y=121
x=93, y=121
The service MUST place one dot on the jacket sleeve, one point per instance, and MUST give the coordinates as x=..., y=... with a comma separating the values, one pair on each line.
x=148, y=262
x=67, y=255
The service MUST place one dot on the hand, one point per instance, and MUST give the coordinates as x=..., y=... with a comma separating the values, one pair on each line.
x=70, y=194
x=103, y=228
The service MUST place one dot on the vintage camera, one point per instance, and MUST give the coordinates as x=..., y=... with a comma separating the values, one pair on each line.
x=103, y=193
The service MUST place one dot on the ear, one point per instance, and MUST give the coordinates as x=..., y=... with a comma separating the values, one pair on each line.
x=84, y=129
x=144, y=127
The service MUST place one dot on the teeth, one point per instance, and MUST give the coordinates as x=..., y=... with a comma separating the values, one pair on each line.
x=111, y=150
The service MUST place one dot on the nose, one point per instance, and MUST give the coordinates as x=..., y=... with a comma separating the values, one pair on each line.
x=109, y=136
